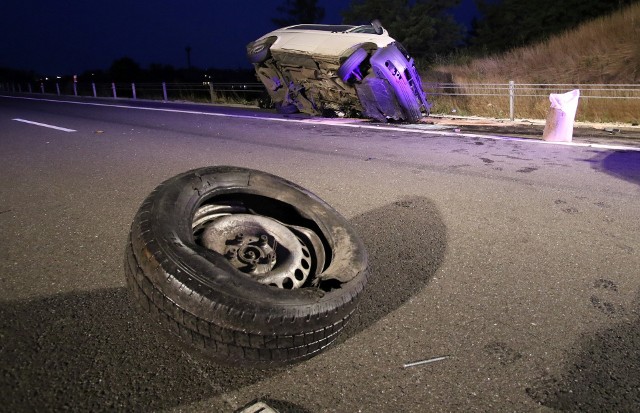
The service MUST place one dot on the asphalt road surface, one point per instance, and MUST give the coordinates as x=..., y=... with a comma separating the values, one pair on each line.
x=512, y=265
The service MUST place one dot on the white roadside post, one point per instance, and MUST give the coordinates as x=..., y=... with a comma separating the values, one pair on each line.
x=512, y=104
x=562, y=113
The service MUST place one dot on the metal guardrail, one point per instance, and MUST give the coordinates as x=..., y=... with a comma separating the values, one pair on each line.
x=596, y=91
x=159, y=90
x=602, y=91
x=216, y=92
x=514, y=90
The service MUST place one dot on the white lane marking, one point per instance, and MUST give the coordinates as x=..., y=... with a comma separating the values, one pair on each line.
x=342, y=123
x=45, y=125
x=472, y=135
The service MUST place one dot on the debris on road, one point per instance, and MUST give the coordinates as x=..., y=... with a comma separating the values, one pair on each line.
x=259, y=407
x=418, y=363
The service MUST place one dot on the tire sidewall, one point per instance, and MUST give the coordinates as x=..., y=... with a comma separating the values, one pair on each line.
x=264, y=50
x=351, y=63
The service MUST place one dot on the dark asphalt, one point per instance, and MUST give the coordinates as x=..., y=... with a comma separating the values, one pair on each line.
x=515, y=261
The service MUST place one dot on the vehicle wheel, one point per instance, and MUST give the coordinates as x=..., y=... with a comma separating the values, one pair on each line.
x=286, y=108
x=246, y=266
x=350, y=69
x=383, y=66
x=258, y=52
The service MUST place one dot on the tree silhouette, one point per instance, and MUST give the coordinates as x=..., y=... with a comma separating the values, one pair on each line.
x=124, y=69
x=298, y=12
x=506, y=24
x=425, y=27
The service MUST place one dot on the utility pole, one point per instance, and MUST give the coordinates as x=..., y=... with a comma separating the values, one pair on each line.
x=188, y=50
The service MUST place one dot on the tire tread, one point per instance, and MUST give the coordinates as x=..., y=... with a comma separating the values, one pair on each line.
x=225, y=344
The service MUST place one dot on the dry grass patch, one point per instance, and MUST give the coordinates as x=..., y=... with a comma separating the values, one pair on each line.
x=603, y=51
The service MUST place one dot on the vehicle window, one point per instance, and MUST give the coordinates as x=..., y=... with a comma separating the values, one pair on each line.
x=364, y=29
x=322, y=27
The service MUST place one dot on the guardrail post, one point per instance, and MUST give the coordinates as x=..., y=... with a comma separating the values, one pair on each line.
x=58, y=88
x=512, y=97
x=113, y=88
x=211, y=92
x=93, y=87
x=133, y=90
x=164, y=91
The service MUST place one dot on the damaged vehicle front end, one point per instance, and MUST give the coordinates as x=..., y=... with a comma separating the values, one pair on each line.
x=328, y=69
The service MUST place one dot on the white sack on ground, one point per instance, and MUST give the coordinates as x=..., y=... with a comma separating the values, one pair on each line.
x=562, y=113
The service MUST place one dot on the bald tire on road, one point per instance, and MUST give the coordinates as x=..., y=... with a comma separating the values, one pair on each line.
x=196, y=294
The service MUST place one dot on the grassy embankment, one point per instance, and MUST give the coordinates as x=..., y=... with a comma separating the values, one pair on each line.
x=602, y=51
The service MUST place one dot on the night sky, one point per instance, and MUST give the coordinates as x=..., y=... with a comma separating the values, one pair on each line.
x=71, y=36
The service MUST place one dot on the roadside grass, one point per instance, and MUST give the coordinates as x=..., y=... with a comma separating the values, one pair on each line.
x=603, y=51
x=589, y=109
x=234, y=98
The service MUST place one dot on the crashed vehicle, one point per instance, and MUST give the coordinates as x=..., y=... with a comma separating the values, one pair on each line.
x=355, y=70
